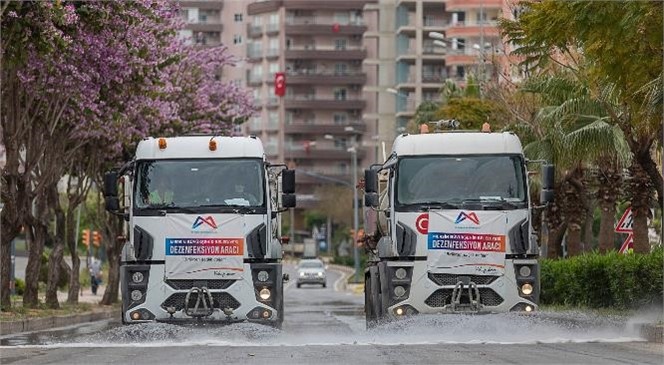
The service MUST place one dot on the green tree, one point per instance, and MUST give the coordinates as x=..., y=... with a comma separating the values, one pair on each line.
x=621, y=45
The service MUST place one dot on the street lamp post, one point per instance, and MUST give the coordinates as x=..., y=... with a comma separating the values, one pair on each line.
x=356, y=218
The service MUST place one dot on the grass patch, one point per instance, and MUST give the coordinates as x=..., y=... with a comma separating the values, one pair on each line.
x=17, y=312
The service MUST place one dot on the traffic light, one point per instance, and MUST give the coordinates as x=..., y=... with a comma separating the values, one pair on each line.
x=96, y=238
x=86, y=237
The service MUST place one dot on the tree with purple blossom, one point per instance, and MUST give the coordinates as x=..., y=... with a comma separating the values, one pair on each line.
x=81, y=84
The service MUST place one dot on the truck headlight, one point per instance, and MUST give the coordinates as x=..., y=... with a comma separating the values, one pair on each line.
x=137, y=277
x=262, y=276
x=301, y=274
x=525, y=271
x=400, y=273
x=527, y=289
x=136, y=295
x=399, y=291
x=265, y=294
x=320, y=274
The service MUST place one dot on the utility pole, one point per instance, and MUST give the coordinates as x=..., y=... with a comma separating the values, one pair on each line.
x=356, y=254
x=481, y=80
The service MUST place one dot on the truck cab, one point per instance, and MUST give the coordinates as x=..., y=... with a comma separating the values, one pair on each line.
x=450, y=227
x=203, y=226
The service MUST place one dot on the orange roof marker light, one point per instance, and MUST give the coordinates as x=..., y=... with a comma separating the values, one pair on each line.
x=486, y=128
x=162, y=143
x=212, y=145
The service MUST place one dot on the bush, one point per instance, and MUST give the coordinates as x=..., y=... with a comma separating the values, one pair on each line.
x=601, y=281
x=19, y=285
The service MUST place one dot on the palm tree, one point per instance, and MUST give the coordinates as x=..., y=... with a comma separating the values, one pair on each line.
x=574, y=134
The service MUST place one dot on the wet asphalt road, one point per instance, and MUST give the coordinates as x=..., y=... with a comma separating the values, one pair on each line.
x=325, y=326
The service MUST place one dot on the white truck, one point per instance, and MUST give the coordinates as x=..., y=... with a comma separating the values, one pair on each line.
x=449, y=227
x=203, y=230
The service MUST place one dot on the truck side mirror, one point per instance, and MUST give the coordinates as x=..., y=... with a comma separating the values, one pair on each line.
x=370, y=181
x=548, y=177
x=371, y=200
x=288, y=182
x=288, y=200
x=111, y=184
x=112, y=203
x=546, y=196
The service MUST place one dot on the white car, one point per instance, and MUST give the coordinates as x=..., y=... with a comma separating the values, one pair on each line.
x=311, y=271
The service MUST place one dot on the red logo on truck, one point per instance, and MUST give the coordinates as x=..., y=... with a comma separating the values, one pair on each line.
x=422, y=223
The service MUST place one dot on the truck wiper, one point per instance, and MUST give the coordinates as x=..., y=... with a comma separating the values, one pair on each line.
x=426, y=206
x=238, y=209
x=165, y=208
x=494, y=204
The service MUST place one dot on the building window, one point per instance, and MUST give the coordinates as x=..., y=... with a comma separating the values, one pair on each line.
x=274, y=68
x=237, y=39
x=238, y=17
x=341, y=69
x=258, y=21
x=340, y=143
x=342, y=17
x=340, y=44
x=274, y=44
x=273, y=119
x=340, y=94
x=340, y=118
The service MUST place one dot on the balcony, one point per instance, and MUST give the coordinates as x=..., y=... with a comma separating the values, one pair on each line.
x=433, y=78
x=253, y=79
x=461, y=5
x=327, y=53
x=272, y=53
x=208, y=26
x=435, y=22
x=323, y=26
x=311, y=102
x=324, y=175
x=254, y=31
x=254, y=54
x=327, y=5
x=205, y=5
x=317, y=153
x=272, y=102
x=335, y=129
x=272, y=28
x=301, y=77
x=260, y=7
x=472, y=29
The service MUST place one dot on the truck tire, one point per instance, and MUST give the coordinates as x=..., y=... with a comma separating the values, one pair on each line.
x=324, y=285
x=368, y=303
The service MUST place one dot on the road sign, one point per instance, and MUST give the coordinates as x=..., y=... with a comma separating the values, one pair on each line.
x=628, y=245
x=625, y=223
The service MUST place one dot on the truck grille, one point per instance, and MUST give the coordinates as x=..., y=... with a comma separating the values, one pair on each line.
x=452, y=279
x=210, y=284
x=221, y=301
x=442, y=297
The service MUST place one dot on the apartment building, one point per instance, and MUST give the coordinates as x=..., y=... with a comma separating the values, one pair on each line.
x=319, y=46
x=412, y=65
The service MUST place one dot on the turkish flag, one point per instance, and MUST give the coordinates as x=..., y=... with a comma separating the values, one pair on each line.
x=336, y=27
x=280, y=84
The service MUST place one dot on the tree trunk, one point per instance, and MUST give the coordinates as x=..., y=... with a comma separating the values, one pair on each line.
x=113, y=285
x=588, y=231
x=555, y=241
x=5, y=268
x=55, y=259
x=74, y=281
x=574, y=240
x=641, y=192
x=606, y=227
x=36, y=234
x=610, y=180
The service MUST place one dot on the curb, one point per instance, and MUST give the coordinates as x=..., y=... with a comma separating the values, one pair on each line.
x=651, y=332
x=39, y=324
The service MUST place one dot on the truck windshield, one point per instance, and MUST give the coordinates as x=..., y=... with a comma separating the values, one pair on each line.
x=199, y=183
x=450, y=181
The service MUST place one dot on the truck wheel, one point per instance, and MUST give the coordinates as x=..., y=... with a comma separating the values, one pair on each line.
x=368, y=303
x=324, y=285
x=299, y=285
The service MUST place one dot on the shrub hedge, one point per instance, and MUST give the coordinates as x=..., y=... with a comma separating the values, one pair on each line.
x=611, y=280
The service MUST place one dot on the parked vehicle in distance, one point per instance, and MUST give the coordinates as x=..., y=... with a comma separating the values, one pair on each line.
x=311, y=271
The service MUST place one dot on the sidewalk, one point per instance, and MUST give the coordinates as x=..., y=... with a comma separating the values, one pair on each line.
x=87, y=296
